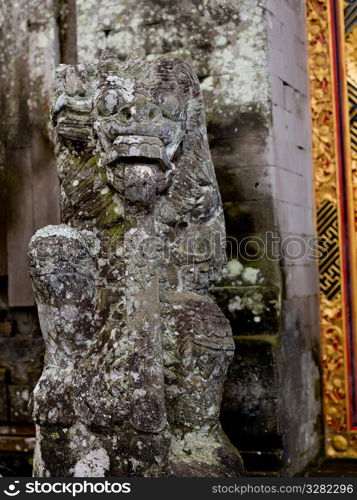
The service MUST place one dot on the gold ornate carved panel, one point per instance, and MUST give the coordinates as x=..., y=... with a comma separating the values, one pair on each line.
x=332, y=35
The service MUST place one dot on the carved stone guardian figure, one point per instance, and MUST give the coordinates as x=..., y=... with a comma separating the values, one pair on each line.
x=136, y=351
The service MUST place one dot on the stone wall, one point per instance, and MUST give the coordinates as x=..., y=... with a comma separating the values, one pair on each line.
x=274, y=386
x=35, y=36
x=279, y=376
x=299, y=401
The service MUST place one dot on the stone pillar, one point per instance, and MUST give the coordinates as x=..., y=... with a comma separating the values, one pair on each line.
x=300, y=400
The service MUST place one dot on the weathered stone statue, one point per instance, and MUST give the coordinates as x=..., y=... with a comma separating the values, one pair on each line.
x=136, y=352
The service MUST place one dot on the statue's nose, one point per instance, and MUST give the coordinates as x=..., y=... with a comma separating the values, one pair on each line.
x=140, y=110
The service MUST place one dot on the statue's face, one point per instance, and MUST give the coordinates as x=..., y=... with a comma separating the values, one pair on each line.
x=135, y=115
x=139, y=130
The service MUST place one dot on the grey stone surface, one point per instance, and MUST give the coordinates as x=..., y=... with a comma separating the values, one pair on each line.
x=29, y=199
x=251, y=309
x=252, y=374
x=299, y=400
x=18, y=399
x=28, y=58
x=3, y=396
x=136, y=351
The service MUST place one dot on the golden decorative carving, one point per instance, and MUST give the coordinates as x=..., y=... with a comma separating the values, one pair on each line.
x=340, y=440
x=340, y=443
x=321, y=98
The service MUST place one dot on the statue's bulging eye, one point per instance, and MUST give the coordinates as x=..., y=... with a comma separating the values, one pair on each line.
x=108, y=102
x=170, y=106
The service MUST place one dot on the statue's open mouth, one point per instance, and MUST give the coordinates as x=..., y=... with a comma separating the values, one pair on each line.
x=142, y=149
